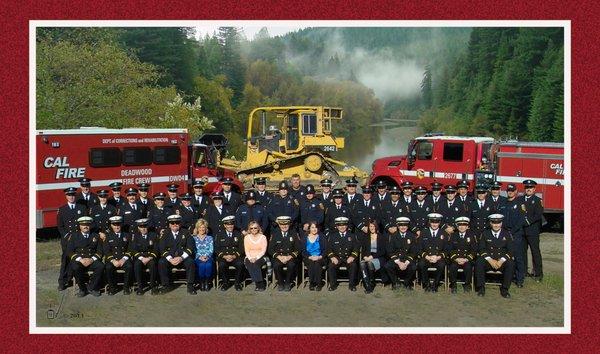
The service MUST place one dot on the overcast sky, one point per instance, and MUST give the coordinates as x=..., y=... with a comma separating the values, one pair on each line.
x=249, y=30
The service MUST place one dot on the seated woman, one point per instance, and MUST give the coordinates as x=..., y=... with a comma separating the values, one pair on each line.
x=204, y=254
x=313, y=246
x=255, y=248
x=372, y=250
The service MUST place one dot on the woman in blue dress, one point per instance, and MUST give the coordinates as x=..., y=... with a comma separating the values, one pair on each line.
x=313, y=246
x=204, y=254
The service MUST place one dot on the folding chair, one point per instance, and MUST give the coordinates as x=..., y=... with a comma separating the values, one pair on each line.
x=304, y=275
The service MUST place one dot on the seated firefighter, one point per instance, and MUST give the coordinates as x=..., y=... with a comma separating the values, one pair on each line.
x=176, y=247
x=229, y=250
x=343, y=251
x=495, y=253
x=402, y=252
x=461, y=254
x=85, y=253
x=116, y=247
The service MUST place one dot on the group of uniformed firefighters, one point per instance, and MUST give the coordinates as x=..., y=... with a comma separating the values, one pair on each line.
x=386, y=232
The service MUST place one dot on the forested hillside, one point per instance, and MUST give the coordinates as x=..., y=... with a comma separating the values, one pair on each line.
x=509, y=83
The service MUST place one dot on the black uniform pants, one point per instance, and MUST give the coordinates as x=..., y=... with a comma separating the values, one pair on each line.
x=482, y=266
x=278, y=270
x=315, y=270
x=453, y=272
x=80, y=272
x=111, y=273
x=164, y=270
x=533, y=241
x=439, y=271
x=408, y=275
x=66, y=272
x=138, y=269
x=255, y=269
x=352, y=271
x=224, y=269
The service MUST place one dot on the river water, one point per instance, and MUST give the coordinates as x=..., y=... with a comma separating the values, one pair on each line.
x=365, y=146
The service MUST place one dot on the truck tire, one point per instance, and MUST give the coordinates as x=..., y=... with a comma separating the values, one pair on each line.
x=313, y=163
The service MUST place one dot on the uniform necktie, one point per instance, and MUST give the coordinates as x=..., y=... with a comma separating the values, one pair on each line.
x=339, y=207
x=198, y=200
x=495, y=199
x=175, y=235
x=526, y=198
x=343, y=234
x=462, y=198
x=480, y=204
x=434, y=234
x=284, y=234
x=72, y=206
x=85, y=235
x=420, y=205
x=402, y=234
x=435, y=200
x=190, y=208
x=394, y=204
x=449, y=204
x=228, y=234
x=87, y=197
x=495, y=234
x=133, y=207
x=367, y=203
x=462, y=235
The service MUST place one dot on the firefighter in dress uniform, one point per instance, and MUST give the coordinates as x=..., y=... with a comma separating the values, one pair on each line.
x=325, y=195
x=436, y=198
x=143, y=251
x=433, y=246
x=176, y=247
x=462, y=253
x=131, y=210
x=251, y=211
x=352, y=198
x=172, y=201
x=390, y=211
x=216, y=212
x=464, y=198
x=263, y=197
x=145, y=201
x=283, y=205
x=531, y=204
x=101, y=212
x=157, y=215
x=335, y=210
x=480, y=210
x=200, y=201
x=283, y=248
x=116, y=253
x=495, y=253
x=364, y=211
x=402, y=250
x=343, y=250
x=231, y=198
x=312, y=209
x=496, y=201
x=116, y=200
x=66, y=222
x=514, y=222
x=418, y=210
x=382, y=192
x=86, y=197
x=84, y=251
x=229, y=251
x=189, y=214
x=450, y=208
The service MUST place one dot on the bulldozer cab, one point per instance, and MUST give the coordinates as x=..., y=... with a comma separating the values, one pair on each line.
x=293, y=130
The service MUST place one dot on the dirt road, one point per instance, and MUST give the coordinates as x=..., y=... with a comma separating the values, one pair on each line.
x=537, y=304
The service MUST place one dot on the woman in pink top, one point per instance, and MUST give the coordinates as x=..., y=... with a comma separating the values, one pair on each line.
x=255, y=247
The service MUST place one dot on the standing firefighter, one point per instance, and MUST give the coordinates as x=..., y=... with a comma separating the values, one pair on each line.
x=531, y=204
x=67, y=217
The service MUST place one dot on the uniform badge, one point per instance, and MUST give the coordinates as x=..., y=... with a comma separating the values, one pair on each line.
x=94, y=239
x=523, y=207
x=349, y=238
x=503, y=238
x=235, y=239
x=78, y=211
x=125, y=239
x=408, y=241
x=427, y=209
x=291, y=239
x=150, y=243
x=532, y=201
x=515, y=207
x=441, y=237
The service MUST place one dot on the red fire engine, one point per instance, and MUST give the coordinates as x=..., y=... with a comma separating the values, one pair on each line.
x=447, y=159
x=130, y=156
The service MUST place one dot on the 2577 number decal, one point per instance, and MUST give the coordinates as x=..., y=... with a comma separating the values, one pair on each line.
x=329, y=148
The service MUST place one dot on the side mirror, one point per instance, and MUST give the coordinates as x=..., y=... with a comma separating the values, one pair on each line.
x=411, y=160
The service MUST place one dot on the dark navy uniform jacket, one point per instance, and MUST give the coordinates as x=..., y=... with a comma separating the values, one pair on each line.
x=214, y=218
x=101, y=216
x=389, y=213
x=362, y=214
x=356, y=198
x=283, y=207
x=234, y=201
x=534, y=211
x=79, y=246
x=130, y=215
x=92, y=200
x=418, y=214
x=463, y=247
x=436, y=204
x=264, y=199
x=168, y=245
x=188, y=217
x=450, y=212
x=297, y=193
x=497, y=205
x=157, y=218
x=66, y=218
x=514, y=217
x=246, y=213
x=479, y=216
x=311, y=210
x=229, y=245
x=200, y=205
x=116, y=246
x=465, y=206
x=284, y=246
x=333, y=212
x=434, y=246
x=117, y=204
x=342, y=246
x=490, y=246
x=141, y=246
x=403, y=248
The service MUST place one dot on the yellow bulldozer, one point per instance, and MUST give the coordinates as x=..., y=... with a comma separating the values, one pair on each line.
x=283, y=141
